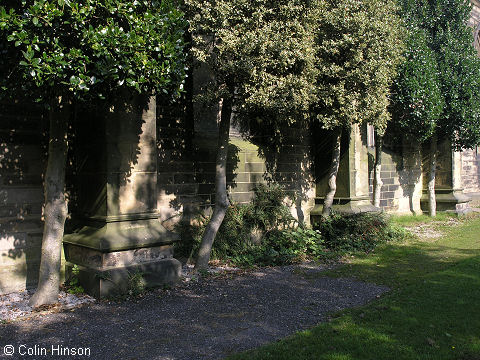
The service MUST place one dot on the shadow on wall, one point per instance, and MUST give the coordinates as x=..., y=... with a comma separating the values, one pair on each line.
x=186, y=160
x=401, y=169
x=93, y=177
x=104, y=153
x=288, y=161
x=114, y=170
x=23, y=140
x=406, y=156
x=324, y=142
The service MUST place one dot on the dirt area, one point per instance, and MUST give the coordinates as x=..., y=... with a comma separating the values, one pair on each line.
x=429, y=231
x=199, y=318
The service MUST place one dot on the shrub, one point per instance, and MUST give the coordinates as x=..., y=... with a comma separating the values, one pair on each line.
x=277, y=247
x=266, y=213
x=267, y=210
x=72, y=283
x=190, y=236
x=358, y=232
x=233, y=236
x=283, y=243
x=282, y=247
x=136, y=283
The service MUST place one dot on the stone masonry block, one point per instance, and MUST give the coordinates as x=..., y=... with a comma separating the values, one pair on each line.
x=388, y=181
x=116, y=281
x=388, y=195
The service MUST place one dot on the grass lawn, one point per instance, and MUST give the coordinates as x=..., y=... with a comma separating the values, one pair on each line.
x=431, y=312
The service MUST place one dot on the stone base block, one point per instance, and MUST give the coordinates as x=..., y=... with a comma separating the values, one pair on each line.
x=448, y=200
x=96, y=259
x=110, y=256
x=103, y=283
x=343, y=206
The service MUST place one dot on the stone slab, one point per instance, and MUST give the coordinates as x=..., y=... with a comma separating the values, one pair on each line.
x=122, y=235
x=103, y=261
x=117, y=281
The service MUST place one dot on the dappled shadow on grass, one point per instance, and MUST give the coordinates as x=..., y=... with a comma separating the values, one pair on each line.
x=399, y=265
x=431, y=312
x=434, y=318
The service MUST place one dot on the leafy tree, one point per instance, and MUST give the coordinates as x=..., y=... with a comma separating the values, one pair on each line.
x=359, y=45
x=436, y=93
x=417, y=97
x=59, y=51
x=261, y=54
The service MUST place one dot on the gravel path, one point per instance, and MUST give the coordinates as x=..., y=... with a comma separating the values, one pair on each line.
x=15, y=305
x=206, y=319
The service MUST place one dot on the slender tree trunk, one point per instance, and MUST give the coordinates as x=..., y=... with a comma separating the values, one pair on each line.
x=332, y=176
x=432, y=202
x=377, y=180
x=221, y=199
x=55, y=211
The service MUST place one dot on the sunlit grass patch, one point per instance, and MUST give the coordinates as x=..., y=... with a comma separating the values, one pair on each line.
x=430, y=313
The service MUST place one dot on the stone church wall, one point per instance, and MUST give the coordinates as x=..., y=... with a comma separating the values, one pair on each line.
x=22, y=161
x=471, y=158
x=401, y=176
x=185, y=174
x=186, y=166
x=185, y=178
x=471, y=171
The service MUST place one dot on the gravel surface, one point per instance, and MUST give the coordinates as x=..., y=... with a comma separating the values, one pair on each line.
x=15, y=305
x=206, y=318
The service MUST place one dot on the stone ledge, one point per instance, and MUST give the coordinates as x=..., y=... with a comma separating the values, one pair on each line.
x=122, y=235
x=344, y=206
x=449, y=200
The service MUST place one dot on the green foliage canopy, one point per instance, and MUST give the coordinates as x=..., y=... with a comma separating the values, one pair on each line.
x=443, y=73
x=84, y=47
x=418, y=100
x=261, y=53
x=359, y=46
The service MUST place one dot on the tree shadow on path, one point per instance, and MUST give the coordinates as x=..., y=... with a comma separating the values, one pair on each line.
x=208, y=319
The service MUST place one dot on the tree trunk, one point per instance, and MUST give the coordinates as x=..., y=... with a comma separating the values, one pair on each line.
x=432, y=202
x=332, y=176
x=221, y=199
x=377, y=180
x=55, y=211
